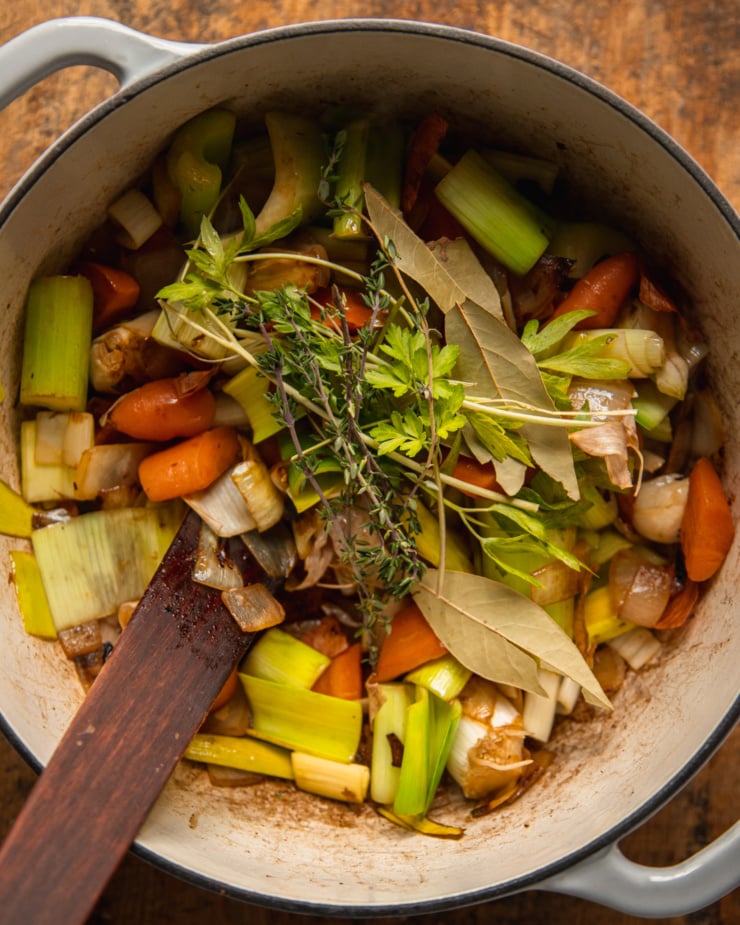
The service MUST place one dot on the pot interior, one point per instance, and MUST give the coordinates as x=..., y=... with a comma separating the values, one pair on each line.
x=267, y=843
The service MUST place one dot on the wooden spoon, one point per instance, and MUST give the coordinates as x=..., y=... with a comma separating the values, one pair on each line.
x=116, y=757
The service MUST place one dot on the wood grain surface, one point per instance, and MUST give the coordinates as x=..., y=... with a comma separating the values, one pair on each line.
x=676, y=60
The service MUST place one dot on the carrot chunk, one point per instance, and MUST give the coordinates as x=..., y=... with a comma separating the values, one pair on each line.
x=707, y=530
x=603, y=290
x=411, y=642
x=160, y=410
x=190, y=465
x=422, y=148
x=227, y=691
x=479, y=475
x=342, y=677
x=115, y=293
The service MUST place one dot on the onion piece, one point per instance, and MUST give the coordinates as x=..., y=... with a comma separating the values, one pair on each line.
x=657, y=509
x=222, y=507
x=108, y=466
x=639, y=589
x=253, y=607
x=212, y=567
x=557, y=583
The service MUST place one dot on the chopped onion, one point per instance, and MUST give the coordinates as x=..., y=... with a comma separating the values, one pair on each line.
x=265, y=503
x=274, y=550
x=136, y=217
x=639, y=589
x=253, y=607
x=222, y=507
x=557, y=582
x=82, y=639
x=658, y=507
x=108, y=466
x=212, y=567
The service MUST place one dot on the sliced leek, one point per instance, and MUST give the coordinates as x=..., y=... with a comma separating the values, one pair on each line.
x=334, y=779
x=241, y=752
x=32, y=601
x=278, y=656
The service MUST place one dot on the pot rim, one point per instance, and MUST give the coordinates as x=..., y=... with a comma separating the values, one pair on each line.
x=204, y=53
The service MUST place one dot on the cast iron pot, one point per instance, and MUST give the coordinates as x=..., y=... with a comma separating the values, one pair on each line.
x=305, y=855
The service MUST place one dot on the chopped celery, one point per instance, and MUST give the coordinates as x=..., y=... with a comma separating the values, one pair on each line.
x=444, y=676
x=136, y=218
x=384, y=164
x=241, y=752
x=389, y=725
x=602, y=623
x=196, y=159
x=278, y=656
x=250, y=389
x=16, y=515
x=303, y=720
x=56, y=344
x=32, y=601
x=348, y=189
x=493, y=212
x=299, y=156
x=92, y=563
x=603, y=545
x=334, y=779
x=651, y=405
x=39, y=481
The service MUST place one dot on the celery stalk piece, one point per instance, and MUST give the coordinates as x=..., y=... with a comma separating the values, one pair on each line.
x=303, y=720
x=278, y=656
x=644, y=350
x=251, y=389
x=601, y=621
x=334, y=779
x=414, y=779
x=16, y=515
x=651, y=405
x=493, y=212
x=444, y=676
x=32, y=601
x=637, y=647
x=389, y=723
x=92, y=563
x=299, y=155
x=196, y=159
x=348, y=188
x=56, y=345
x=384, y=161
x=241, y=752
x=40, y=482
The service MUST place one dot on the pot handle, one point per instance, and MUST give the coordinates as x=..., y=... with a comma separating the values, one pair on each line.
x=50, y=46
x=610, y=879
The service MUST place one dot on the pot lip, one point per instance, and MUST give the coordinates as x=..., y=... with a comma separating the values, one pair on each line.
x=203, y=54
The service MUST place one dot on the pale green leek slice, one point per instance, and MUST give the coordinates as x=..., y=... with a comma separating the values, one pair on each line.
x=16, y=515
x=93, y=563
x=304, y=720
x=32, y=601
x=278, y=656
x=444, y=676
x=241, y=752
x=422, y=824
x=56, y=345
x=334, y=779
x=413, y=781
x=39, y=481
x=389, y=724
x=250, y=389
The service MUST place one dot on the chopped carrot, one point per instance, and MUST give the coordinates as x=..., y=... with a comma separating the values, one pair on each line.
x=160, y=410
x=679, y=607
x=230, y=687
x=707, y=530
x=410, y=642
x=356, y=313
x=190, y=465
x=422, y=148
x=439, y=223
x=602, y=290
x=115, y=293
x=654, y=297
x=481, y=475
x=342, y=677
x=325, y=635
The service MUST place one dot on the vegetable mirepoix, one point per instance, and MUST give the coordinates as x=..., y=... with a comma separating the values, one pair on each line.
x=454, y=452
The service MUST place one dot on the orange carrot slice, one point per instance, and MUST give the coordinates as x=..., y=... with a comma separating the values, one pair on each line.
x=603, y=290
x=707, y=530
x=411, y=642
x=342, y=677
x=160, y=410
x=227, y=691
x=190, y=465
x=115, y=293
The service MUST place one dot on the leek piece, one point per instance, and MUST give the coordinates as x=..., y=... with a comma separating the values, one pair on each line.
x=422, y=824
x=50, y=429
x=56, y=345
x=136, y=218
x=390, y=721
x=175, y=328
x=32, y=601
x=444, y=676
x=250, y=389
x=604, y=545
x=79, y=435
x=602, y=623
x=521, y=167
x=651, y=405
x=16, y=515
x=428, y=543
x=413, y=781
x=278, y=656
x=586, y=243
x=303, y=720
x=603, y=510
x=93, y=563
x=108, y=466
x=643, y=350
x=199, y=153
x=241, y=752
x=299, y=156
x=222, y=507
x=538, y=713
x=348, y=188
x=334, y=779
x=493, y=212
x=444, y=721
x=40, y=482
x=637, y=647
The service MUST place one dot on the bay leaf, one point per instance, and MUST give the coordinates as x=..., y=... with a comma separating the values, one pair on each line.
x=448, y=271
x=493, y=357
x=499, y=633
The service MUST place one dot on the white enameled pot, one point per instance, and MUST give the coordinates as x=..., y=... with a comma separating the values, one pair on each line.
x=286, y=850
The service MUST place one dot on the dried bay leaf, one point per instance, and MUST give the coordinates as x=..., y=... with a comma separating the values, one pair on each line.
x=499, y=364
x=500, y=634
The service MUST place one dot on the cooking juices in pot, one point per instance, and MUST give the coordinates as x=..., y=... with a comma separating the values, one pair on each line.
x=464, y=429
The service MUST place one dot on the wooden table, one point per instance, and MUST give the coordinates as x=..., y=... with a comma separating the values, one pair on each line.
x=674, y=59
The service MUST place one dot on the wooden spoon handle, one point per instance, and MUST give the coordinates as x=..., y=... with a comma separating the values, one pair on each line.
x=119, y=751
